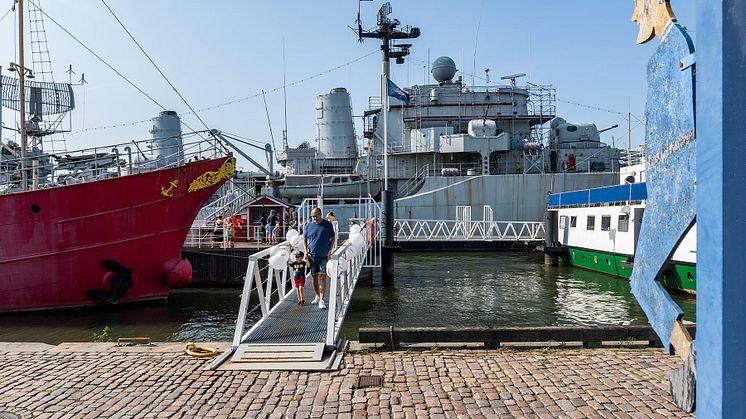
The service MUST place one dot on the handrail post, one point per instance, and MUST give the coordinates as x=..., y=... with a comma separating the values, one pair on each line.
x=332, y=308
x=245, y=295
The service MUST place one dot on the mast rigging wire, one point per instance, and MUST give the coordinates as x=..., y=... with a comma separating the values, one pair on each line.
x=6, y=13
x=245, y=98
x=155, y=65
x=97, y=56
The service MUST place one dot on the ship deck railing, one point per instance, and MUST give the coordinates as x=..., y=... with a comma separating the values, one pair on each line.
x=207, y=235
x=410, y=230
x=98, y=163
x=609, y=195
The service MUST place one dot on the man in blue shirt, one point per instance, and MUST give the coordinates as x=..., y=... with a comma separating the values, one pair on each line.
x=319, y=239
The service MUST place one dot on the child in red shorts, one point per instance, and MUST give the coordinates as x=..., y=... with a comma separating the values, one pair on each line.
x=299, y=265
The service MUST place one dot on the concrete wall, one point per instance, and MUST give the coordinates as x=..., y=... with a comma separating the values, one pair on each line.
x=515, y=197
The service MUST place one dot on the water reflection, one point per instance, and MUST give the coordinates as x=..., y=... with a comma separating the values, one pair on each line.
x=431, y=289
x=494, y=289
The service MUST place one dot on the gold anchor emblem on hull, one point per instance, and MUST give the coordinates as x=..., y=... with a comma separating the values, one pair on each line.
x=169, y=192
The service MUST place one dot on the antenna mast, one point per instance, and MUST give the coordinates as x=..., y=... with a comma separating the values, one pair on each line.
x=284, y=99
x=387, y=31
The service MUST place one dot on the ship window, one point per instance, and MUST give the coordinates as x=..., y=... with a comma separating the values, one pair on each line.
x=336, y=180
x=344, y=179
x=563, y=222
x=573, y=221
x=35, y=209
x=623, y=225
x=572, y=128
x=605, y=222
x=591, y=223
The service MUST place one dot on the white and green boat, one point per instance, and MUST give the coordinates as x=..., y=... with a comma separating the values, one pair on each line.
x=598, y=229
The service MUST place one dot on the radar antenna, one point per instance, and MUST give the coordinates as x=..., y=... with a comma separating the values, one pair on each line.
x=387, y=31
x=512, y=78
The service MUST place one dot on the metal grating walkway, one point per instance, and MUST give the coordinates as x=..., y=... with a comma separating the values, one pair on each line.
x=291, y=323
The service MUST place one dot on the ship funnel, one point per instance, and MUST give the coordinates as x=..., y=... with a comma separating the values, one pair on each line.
x=165, y=132
x=336, y=133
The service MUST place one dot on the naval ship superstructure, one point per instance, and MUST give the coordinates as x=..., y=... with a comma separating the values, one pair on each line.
x=334, y=167
x=454, y=144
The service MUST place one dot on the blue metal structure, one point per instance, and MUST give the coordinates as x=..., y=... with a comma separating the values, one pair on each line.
x=670, y=158
x=721, y=194
x=609, y=194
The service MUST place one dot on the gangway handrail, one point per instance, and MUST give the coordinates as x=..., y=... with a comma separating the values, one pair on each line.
x=264, y=292
x=342, y=283
x=353, y=255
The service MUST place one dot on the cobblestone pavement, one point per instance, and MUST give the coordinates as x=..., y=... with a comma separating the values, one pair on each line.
x=99, y=380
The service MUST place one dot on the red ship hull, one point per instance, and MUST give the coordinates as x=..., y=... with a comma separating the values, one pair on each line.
x=53, y=242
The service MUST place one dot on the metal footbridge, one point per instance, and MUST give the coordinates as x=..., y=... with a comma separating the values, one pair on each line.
x=288, y=336
x=273, y=332
x=466, y=229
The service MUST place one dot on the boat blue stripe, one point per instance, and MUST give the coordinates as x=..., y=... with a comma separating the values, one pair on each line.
x=617, y=193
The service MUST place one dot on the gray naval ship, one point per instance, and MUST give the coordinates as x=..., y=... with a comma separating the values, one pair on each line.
x=452, y=145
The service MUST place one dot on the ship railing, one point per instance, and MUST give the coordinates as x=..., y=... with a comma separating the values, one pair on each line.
x=415, y=181
x=468, y=230
x=406, y=171
x=97, y=163
x=227, y=204
x=204, y=235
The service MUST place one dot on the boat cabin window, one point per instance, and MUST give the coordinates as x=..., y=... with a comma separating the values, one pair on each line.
x=591, y=223
x=563, y=222
x=573, y=221
x=336, y=180
x=572, y=128
x=623, y=224
x=605, y=222
x=344, y=179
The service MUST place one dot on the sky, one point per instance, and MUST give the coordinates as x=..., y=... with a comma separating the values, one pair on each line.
x=223, y=51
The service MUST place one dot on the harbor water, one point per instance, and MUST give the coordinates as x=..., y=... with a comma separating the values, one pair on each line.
x=431, y=289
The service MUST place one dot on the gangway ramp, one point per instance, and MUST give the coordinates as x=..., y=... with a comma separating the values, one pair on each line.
x=289, y=336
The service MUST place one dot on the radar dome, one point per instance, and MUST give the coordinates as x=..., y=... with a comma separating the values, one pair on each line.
x=443, y=69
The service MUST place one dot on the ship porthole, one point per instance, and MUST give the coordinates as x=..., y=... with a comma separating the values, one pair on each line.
x=35, y=209
x=608, y=262
x=573, y=255
x=690, y=276
x=595, y=259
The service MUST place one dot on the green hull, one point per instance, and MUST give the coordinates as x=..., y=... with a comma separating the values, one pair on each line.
x=681, y=277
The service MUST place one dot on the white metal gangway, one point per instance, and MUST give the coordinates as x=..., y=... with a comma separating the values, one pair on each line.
x=463, y=228
x=273, y=331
